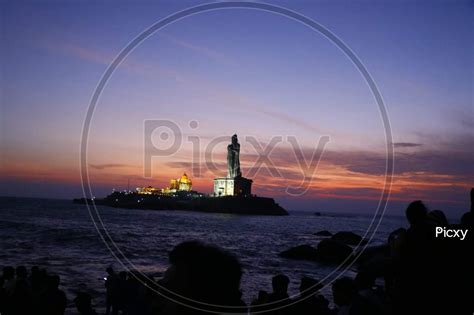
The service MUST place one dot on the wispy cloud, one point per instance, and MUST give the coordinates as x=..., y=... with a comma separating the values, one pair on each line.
x=106, y=58
x=92, y=55
x=290, y=120
x=406, y=145
x=200, y=49
x=110, y=165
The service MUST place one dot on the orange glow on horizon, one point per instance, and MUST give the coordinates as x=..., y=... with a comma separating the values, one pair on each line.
x=331, y=181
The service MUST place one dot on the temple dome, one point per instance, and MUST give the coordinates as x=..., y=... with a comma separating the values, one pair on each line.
x=184, y=183
x=184, y=179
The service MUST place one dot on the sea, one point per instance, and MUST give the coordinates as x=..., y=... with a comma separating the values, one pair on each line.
x=61, y=237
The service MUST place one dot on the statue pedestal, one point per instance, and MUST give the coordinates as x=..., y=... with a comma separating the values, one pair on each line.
x=237, y=186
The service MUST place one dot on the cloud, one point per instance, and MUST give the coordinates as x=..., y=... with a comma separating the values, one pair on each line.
x=108, y=166
x=203, y=50
x=92, y=55
x=451, y=157
x=103, y=58
x=290, y=120
x=406, y=145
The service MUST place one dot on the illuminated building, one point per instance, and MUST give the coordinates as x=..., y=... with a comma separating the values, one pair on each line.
x=148, y=190
x=183, y=183
x=238, y=186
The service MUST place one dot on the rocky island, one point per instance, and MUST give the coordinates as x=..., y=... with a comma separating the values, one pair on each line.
x=232, y=194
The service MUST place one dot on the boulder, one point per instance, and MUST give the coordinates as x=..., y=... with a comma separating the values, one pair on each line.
x=376, y=259
x=348, y=238
x=330, y=251
x=374, y=253
x=303, y=252
x=323, y=233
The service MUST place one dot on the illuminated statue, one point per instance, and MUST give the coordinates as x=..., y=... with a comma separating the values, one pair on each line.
x=233, y=158
x=234, y=184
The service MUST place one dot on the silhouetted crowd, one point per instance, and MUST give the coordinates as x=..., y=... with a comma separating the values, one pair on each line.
x=416, y=272
x=34, y=293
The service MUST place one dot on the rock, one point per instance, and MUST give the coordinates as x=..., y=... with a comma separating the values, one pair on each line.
x=303, y=252
x=374, y=252
x=323, y=233
x=376, y=259
x=331, y=251
x=348, y=238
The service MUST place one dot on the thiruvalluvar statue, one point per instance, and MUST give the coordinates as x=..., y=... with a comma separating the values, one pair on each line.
x=233, y=158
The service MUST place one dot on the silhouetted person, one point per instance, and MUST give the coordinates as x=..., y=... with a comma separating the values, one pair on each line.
x=53, y=300
x=310, y=301
x=83, y=302
x=416, y=213
x=38, y=280
x=8, y=279
x=437, y=218
x=467, y=220
x=428, y=277
x=22, y=297
x=7, y=289
x=417, y=243
x=261, y=299
x=464, y=276
x=138, y=296
x=3, y=297
x=280, y=288
x=35, y=279
x=112, y=288
x=202, y=273
x=472, y=199
x=279, y=297
x=21, y=273
x=122, y=297
x=410, y=271
x=418, y=234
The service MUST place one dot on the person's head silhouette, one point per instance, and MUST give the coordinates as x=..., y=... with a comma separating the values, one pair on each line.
x=21, y=272
x=110, y=271
x=8, y=272
x=280, y=284
x=83, y=302
x=416, y=213
x=204, y=273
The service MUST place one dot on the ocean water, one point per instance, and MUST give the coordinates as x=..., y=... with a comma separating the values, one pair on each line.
x=61, y=237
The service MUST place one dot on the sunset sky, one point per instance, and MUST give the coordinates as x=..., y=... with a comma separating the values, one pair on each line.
x=248, y=72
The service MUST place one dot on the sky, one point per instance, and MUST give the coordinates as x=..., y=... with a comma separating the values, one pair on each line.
x=249, y=72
